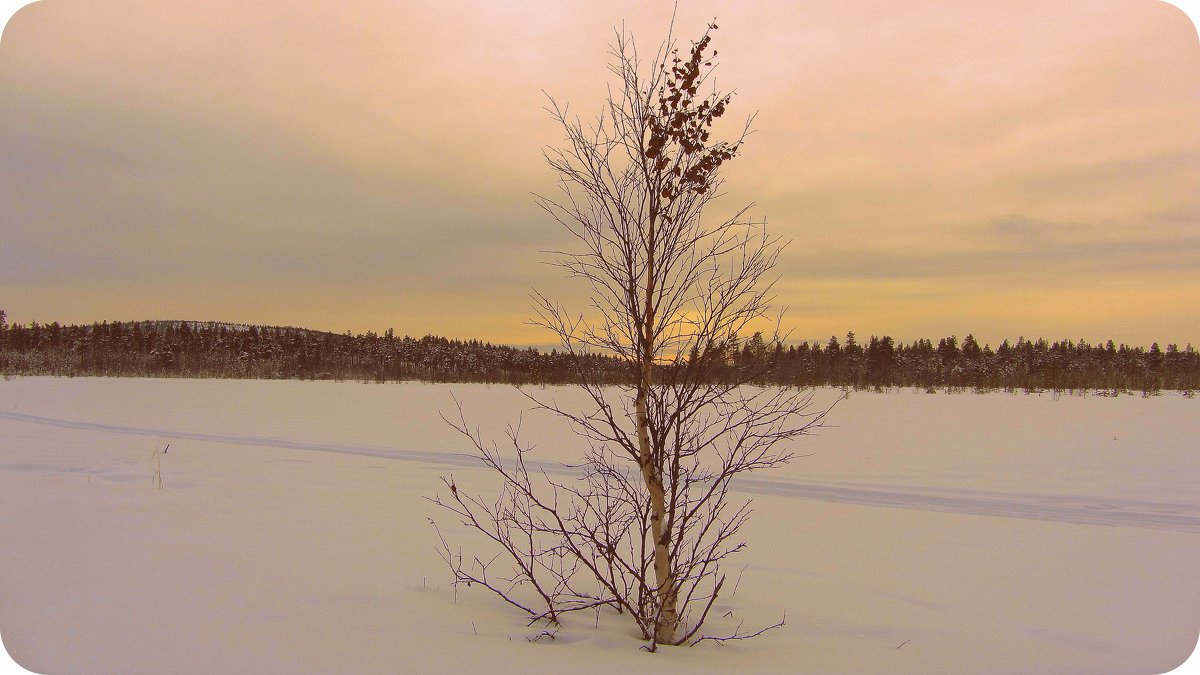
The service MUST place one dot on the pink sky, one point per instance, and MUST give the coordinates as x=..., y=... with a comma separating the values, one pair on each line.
x=1015, y=168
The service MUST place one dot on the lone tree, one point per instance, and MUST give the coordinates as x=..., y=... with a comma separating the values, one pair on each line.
x=644, y=521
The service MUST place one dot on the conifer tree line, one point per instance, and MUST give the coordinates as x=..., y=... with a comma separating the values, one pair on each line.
x=218, y=350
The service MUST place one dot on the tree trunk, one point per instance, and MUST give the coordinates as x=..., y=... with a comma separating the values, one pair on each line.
x=668, y=614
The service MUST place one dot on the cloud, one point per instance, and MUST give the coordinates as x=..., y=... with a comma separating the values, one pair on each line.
x=373, y=164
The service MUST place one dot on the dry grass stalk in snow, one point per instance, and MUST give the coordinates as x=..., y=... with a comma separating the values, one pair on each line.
x=643, y=523
x=156, y=479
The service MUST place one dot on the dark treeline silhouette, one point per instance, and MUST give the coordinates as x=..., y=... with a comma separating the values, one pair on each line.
x=217, y=350
x=1027, y=365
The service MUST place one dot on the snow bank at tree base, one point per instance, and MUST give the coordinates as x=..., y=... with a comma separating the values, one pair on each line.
x=952, y=534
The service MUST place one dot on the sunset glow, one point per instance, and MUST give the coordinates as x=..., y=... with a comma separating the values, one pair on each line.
x=1006, y=169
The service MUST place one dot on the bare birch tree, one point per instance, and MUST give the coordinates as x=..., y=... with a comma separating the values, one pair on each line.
x=646, y=519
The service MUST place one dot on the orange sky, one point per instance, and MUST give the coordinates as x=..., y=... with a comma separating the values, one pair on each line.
x=1012, y=168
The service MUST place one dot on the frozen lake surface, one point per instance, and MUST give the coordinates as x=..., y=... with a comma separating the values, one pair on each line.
x=997, y=533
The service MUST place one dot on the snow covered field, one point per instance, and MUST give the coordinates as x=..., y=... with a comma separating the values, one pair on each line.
x=926, y=533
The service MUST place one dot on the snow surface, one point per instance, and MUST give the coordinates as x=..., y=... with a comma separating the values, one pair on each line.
x=923, y=534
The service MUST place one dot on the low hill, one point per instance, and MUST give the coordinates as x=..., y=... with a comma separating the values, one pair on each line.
x=222, y=350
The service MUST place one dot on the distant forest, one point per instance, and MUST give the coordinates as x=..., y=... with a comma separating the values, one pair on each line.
x=217, y=350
